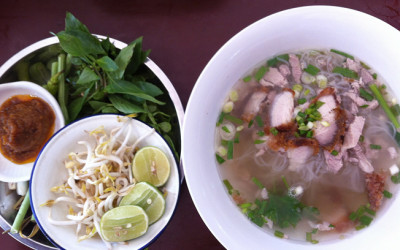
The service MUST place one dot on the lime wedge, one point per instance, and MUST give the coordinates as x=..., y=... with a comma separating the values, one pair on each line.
x=147, y=197
x=151, y=165
x=124, y=223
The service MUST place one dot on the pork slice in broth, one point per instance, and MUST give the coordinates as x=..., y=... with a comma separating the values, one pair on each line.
x=281, y=111
x=253, y=104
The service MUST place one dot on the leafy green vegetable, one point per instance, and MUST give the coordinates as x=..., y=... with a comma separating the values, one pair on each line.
x=342, y=53
x=312, y=70
x=365, y=95
x=260, y=73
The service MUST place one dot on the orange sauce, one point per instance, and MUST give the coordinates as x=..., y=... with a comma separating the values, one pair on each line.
x=26, y=123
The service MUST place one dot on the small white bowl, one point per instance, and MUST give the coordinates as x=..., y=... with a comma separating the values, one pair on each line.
x=49, y=171
x=9, y=171
x=371, y=40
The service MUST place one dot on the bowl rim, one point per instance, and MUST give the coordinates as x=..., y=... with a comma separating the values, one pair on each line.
x=217, y=230
x=107, y=115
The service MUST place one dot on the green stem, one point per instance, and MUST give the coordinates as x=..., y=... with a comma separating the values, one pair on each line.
x=62, y=90
x=68, y=64
x=21, y=214
x=384, y=105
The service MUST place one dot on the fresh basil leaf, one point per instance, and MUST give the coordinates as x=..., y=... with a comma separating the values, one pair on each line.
x=72, y=23
x=123, y=59
x=124, y=105
x=149, y=88
x=125, y=87
x=79, y=43
x=165, y=126
x=139, y=56
x=98, y=106
x=109, y=110
x=76, y=105
x=87, y=75
x=107, y=64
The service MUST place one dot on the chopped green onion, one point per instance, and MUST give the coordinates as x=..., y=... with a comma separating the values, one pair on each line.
x=259, y=121
x=364, y=106
x=384, y=105
x=279, y=234
x=365, y=220
x=246, y=205
x=318, y=104
x=396, y=178
x=228, y=186
x=322, y=81
x=247, y=79
x=332, y=226
x=257, y=182
x=285, y=181
x=225, y=129
x=302, y=100
x=228, y=107
x=273, y=131
x=342, y=53
x=314, y=231
x=260, y=73
x=236, y=139
x=260, y=133
x=361, y=138
x=312, y=70
x=306, y=92
x=233, y=119
x=221, y=118
x=259, y=141
x=375, y=146
x=309, y=238
x=387, y=194
x=250, y=123
x=365, y=95
x=222, y=150
x=359, y=227
x=297, y=87
x=374, y=75
x=230, y=150
x=274, y=61
x=233, y=95
x=334, y=153
x=345, y=72
x=310, y=134
x=395, y=110
x=224, y=143
x=220, y=160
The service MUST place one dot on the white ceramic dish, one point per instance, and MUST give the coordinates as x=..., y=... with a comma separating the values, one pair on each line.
x=9, y=171
x=370, y=39
x=49, y=166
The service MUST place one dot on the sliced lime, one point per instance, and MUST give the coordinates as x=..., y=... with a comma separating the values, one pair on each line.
x=124, y=223
x=147, y=197
x=151, y=165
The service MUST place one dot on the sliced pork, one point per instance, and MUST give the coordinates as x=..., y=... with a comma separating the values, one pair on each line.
x=363, y=162
x=296, y=67
x=298, y=156
x=284, y=69
x=366, y=76
x=275, y=77
x=353, y=65
x=353, y=133
x=253, y=104
x=361, y=102
x=281, y=111
x=333, y=162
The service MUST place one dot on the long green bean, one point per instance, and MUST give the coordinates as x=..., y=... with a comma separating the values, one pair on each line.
x=62, y=89
x=21, y=214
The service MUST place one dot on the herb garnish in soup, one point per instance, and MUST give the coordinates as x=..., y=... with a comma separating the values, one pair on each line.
x=307, y=145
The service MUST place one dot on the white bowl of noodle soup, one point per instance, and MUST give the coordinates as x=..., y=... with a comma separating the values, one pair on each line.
x=367, y=38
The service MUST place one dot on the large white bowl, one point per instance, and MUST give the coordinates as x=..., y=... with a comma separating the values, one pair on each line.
x=368, y=38
x=49, y=171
